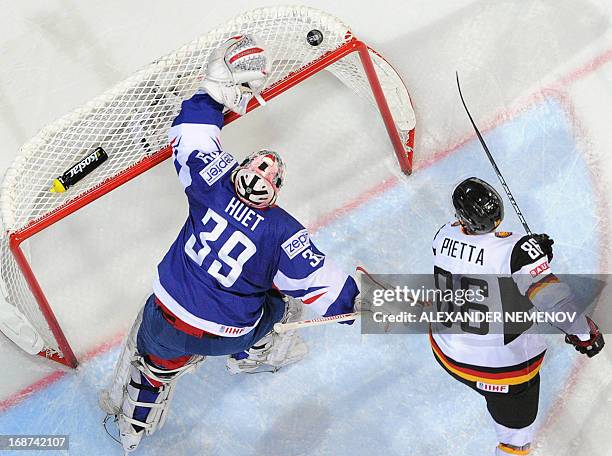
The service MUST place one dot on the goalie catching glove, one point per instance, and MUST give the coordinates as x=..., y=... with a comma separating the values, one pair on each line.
x=237, y=71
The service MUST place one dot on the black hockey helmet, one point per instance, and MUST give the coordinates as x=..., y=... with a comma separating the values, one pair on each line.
x=478, y=206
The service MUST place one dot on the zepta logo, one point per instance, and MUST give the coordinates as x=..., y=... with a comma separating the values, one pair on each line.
x=296, y=243
x=217, y=168
x=217, y=163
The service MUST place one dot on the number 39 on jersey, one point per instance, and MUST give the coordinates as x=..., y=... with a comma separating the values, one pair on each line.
x=212, y=234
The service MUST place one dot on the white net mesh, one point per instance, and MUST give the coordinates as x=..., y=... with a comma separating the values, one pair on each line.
x=131, y=120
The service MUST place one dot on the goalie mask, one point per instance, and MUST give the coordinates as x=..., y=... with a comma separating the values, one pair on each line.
x=259, y=178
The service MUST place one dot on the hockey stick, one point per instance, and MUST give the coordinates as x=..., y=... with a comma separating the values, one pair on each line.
x=284, y=327
x=495, y=168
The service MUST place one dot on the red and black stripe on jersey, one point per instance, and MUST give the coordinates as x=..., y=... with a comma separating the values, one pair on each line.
x=507, y=375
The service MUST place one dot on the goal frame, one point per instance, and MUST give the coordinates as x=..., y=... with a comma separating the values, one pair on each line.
x=403, y=151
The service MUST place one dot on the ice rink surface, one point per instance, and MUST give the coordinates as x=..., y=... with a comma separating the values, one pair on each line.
x=537, y=76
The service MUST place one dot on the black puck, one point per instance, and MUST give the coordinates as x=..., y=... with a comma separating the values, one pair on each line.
x=314, y=37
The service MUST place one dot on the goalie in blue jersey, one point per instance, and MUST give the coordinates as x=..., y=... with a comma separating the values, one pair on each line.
x=239, y=264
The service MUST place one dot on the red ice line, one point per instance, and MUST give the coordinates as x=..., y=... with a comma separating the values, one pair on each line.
x=556, y=90
x=53, y=377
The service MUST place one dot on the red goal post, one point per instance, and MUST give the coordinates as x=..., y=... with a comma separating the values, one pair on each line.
x=130, y=122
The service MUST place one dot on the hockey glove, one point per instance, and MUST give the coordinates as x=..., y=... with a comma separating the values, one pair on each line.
x=546, y=242
x=588, y=347
x=237, y=71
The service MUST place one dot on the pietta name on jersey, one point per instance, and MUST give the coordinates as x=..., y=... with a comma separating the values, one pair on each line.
x=462, y=251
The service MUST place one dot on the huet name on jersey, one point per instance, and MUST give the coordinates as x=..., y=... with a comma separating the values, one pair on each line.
x=243, y=214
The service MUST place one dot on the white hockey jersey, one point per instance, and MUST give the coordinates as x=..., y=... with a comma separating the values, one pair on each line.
x=511, y=272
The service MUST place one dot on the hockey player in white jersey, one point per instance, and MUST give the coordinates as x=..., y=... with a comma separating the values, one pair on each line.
x=503, y=366
x=239, y=264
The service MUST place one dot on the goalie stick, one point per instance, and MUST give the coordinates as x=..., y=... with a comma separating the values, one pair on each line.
x=513, y=202
x=284, y=327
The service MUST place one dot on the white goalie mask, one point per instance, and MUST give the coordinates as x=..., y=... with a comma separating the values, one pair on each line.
x=259, y=178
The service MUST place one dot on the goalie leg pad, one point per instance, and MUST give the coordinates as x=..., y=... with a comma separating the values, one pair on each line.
x=150, y=389
x=142, y=390
x=273, y=351
x=147, y=396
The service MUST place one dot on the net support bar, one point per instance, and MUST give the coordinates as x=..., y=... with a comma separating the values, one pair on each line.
x=69, y=359
x=403, y=157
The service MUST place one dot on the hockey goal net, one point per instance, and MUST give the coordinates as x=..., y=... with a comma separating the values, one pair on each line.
x=130, y=122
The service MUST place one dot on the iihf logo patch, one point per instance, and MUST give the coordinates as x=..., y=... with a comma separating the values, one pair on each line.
x=492, y=388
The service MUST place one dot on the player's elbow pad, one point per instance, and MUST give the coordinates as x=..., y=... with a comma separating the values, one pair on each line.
x=562, y=307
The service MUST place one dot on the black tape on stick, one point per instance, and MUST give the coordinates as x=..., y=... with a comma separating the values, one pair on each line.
x=79, y=171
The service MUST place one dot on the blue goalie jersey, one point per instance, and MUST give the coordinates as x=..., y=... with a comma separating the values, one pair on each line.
x=228, y=255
